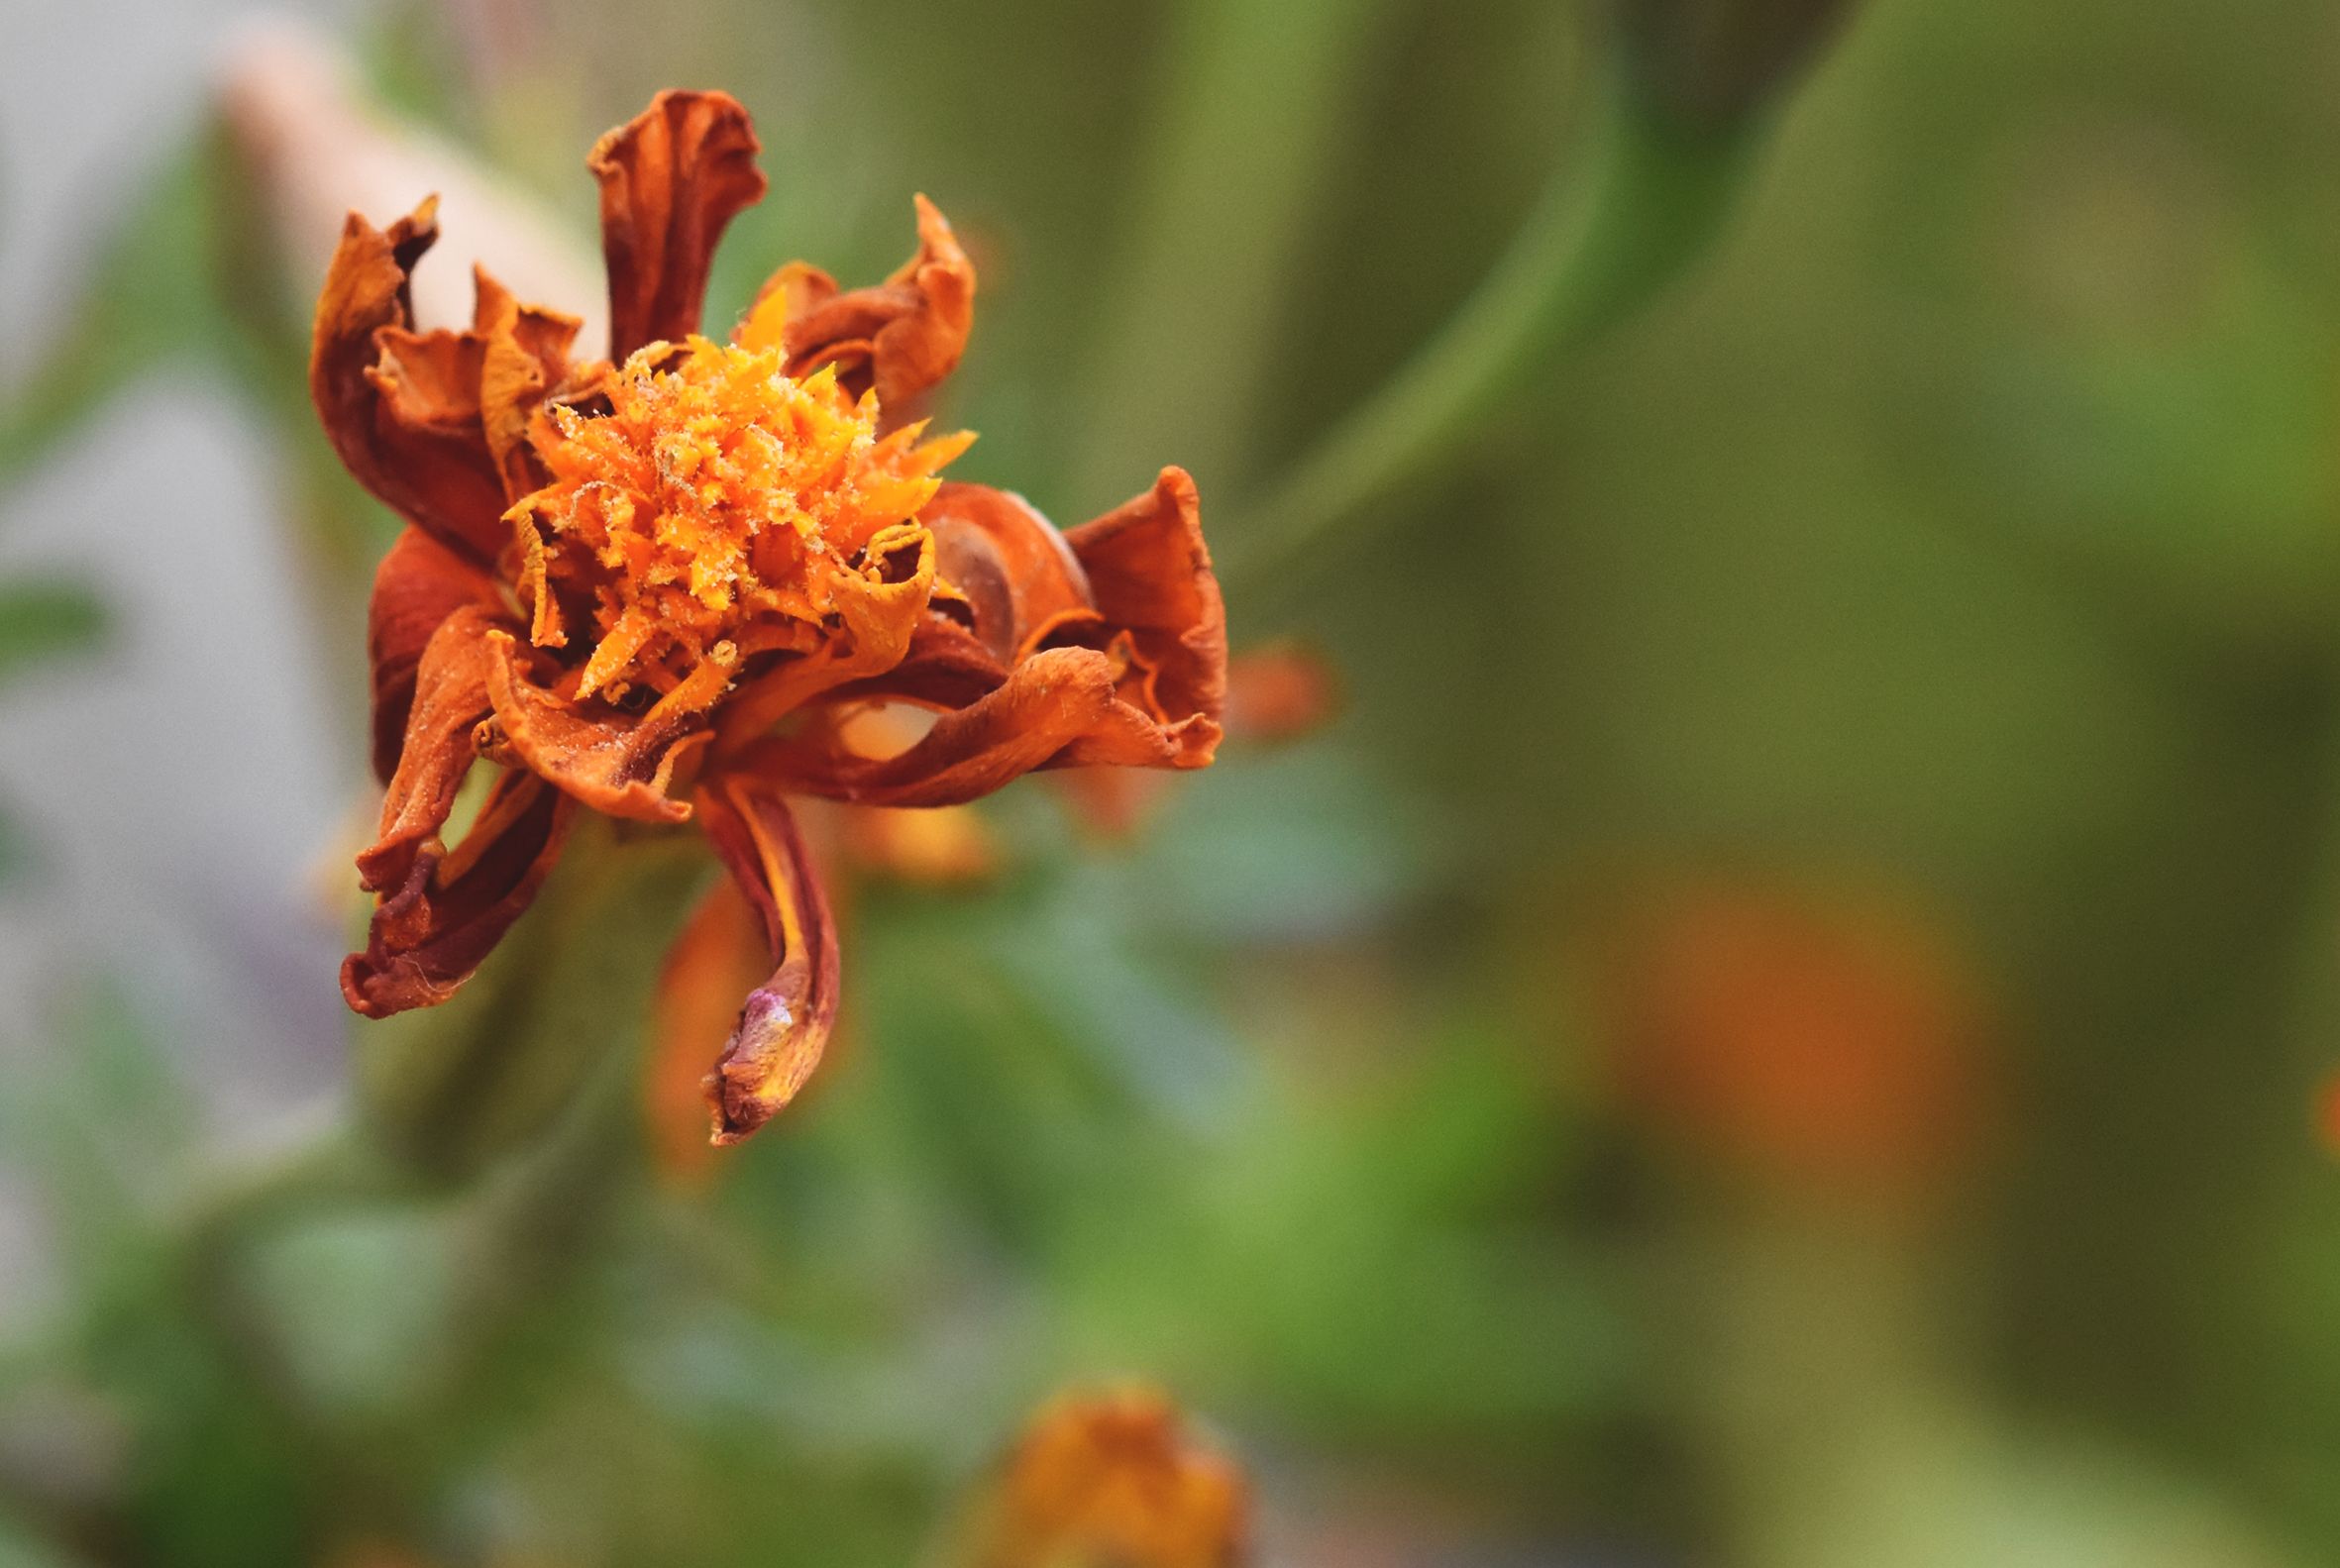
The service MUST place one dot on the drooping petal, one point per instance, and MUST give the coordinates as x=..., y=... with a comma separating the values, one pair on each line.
x=878, y=610
x=1148, y=693
x=1151, y=574
x=437, y=750
x=1056, y=700
x=418, y=586
x=900, y=337
x=785, y=1025
x=401, y=408
x=717, y=959
x=433, y=929
x=672, y=178
x=524, y=358
x=619, y=764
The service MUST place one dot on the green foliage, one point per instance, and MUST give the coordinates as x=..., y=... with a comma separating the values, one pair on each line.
x=1958, y=521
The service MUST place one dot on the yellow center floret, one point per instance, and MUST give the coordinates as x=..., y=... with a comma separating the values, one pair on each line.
x=712, y=513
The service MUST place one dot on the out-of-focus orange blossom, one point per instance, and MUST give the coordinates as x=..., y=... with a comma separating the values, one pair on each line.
x=1833, y=1040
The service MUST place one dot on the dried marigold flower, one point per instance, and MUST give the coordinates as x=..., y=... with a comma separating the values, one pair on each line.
x=1113, y=1479
x=662, y=583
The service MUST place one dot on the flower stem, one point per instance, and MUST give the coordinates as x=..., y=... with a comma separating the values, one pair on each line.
x=1244, y=138
x=1645, y=200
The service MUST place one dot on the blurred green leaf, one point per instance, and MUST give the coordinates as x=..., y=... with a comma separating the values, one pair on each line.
x=47, y=618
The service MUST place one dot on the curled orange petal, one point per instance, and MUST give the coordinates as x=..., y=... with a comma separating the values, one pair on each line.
x=1117, y=1478
x=436, y=751
x=672, y=179
x=1050, y=701
x=1150, y=574
x=448, y=911
x=1015, y=581
x=900, y=337
x=786, y=1022
x=878, y=612
x=524, y=357
x=418, y=586
x=401, y=408
x=619, y=764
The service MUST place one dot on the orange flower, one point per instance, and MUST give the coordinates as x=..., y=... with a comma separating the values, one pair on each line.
x=662, y=585
x=1837, y=1041
x=1115, y=1480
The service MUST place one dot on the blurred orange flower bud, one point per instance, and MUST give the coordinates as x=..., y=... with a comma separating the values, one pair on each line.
x=1279, y=691
x=1113, y=1479
x=1835, y=1042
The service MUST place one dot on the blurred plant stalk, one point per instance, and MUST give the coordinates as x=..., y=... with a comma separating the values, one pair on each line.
x=1246, y=131
x=1682, y=111
x=318, y=148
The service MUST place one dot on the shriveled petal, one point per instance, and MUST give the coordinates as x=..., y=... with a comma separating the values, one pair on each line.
x=879, y=610
x=418, y=586
x=524, y=358
x=718, y=958
x=1147, y=694
x=436, y=751
x=1057, y=700
x=1150, y=574
x=672, y=179
x=402, y=408
x=786, y=1023
x=448, y=909
x=619, y=764
x=1016, y=579
x=900, y=337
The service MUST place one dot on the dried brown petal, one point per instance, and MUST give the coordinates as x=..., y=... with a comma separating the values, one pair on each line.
x=436, y=751
x=401, y=408
x=900, y=337
x=786, y=1023
x=619, y=764
x=524, y=358
x=1013, y=576
x=1052, y=701
x=1151, y=577
x=418, y=586
x=433, y=929
x=672, y=178
x=878, y=614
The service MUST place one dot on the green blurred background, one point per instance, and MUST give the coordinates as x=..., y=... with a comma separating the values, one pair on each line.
x=1780, y=1022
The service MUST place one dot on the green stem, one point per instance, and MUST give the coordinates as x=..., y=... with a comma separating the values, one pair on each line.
x=1241, y=143
x=1643, y=201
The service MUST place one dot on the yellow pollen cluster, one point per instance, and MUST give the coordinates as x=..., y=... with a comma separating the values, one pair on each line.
x=710, y=515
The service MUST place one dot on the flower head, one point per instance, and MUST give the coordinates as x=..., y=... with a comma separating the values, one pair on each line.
x=664, y=584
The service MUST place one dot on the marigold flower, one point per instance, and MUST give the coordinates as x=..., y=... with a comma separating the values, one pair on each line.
x=1115, y=1480
x=662, y=584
